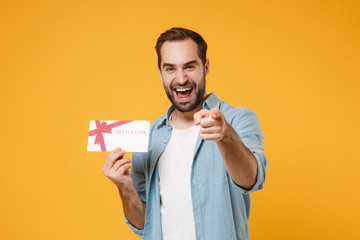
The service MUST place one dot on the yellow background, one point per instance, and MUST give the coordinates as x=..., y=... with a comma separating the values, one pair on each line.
x=63, y=63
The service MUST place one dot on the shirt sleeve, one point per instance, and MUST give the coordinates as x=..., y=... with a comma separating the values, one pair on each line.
x=139, y=232
x=138, y=176
x=247, y=126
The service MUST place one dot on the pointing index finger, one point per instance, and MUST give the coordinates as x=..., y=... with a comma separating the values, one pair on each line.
x=199, y=115
x=215, y=113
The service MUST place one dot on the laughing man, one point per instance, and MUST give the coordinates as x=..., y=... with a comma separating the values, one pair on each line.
x=204, y=158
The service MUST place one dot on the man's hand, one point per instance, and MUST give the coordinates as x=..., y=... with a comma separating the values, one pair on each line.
x=213, y=124
x=239, y=161
x=117, y=169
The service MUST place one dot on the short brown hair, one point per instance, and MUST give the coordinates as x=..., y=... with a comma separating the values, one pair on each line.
x=178, y=34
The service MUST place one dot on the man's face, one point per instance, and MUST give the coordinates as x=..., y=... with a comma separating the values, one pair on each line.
x=183, y=74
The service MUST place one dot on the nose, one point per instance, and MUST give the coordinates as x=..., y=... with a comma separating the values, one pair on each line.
x=181, y=77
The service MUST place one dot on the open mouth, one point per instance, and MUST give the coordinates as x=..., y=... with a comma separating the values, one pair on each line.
x=183, y=93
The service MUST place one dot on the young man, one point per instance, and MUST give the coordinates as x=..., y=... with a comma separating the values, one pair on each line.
x=204, y=157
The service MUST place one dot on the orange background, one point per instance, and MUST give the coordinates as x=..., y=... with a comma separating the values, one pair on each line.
x=63, y=63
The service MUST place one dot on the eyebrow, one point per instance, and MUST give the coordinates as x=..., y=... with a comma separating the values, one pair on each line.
x=191, y=62
x=185, y=64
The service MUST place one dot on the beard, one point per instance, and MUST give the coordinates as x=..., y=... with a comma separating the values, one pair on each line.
x=192, y=104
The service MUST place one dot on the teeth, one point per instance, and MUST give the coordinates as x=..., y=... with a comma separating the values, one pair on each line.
x=183, y=89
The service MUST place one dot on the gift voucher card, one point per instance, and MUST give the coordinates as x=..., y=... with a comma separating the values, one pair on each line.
x=132, y=136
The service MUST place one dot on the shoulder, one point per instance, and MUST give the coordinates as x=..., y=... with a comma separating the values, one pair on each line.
x=230, y=111
x=157, y=124
x=241, y=119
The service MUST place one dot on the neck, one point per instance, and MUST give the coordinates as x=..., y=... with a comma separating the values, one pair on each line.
x=184, y=120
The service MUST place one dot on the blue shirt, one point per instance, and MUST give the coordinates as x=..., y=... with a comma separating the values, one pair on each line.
x=221, y=208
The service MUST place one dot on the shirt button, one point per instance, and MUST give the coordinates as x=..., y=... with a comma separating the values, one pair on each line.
x=153, y=165
x=165, y=141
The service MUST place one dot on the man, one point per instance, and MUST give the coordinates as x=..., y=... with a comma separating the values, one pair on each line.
x=204, y=157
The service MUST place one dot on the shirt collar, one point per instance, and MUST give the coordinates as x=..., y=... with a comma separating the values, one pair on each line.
x=212, y=101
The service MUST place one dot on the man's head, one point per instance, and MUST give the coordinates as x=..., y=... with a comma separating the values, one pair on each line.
x=182, y=67
x=180, y=34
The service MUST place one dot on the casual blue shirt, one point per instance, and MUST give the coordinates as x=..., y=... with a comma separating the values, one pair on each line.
x=221, y=208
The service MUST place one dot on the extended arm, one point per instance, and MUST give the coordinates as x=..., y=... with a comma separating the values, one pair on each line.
x=117, y=170
x=239, y=161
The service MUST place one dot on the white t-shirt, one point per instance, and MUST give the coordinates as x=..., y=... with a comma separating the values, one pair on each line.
x=177, y=217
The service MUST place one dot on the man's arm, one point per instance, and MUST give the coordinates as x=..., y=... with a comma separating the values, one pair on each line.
x=116, y=168
x=239, y=161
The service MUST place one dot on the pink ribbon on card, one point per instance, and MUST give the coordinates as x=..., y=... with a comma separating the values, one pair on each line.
x=104, y=128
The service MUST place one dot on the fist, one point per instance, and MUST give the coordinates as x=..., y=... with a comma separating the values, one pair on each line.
x=213, y=124
x=116, y=168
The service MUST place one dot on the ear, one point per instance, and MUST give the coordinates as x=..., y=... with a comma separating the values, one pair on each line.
x=207, y=67
x=159, y=71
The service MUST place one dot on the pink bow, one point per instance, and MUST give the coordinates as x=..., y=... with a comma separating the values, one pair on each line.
x=104, y=128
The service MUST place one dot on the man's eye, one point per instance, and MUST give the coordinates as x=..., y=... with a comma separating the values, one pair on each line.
x=169, y=69
x=190, y=67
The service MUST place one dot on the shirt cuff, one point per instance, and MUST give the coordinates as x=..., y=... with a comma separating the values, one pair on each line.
x=260, y=177
x=139, y=232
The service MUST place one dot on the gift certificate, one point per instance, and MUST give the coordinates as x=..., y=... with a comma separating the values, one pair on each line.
x=132, y=136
